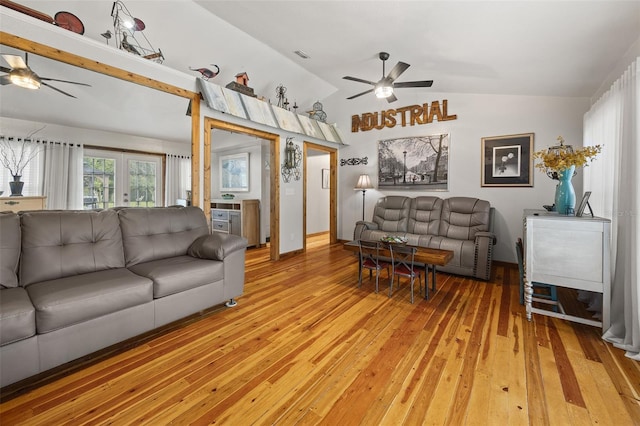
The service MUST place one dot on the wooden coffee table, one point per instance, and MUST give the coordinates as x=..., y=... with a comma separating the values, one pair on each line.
x=429, y=256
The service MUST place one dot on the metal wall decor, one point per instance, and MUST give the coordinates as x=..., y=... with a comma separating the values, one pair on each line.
x=292, y=160
x=317, y=113
x=129, y=35
x=354, y=161
x=283, y=102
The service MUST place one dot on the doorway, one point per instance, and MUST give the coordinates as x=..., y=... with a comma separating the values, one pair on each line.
x=113, y=179
x=322, y=161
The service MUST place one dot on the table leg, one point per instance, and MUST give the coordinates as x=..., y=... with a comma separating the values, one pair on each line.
x=426, y=281
x=433, y=277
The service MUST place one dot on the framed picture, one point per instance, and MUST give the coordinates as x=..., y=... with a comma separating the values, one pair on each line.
x=507, y=160
x=414, y=163
x=258, y=111
x=583, y=204
x=213, y=96
x=287, y=120
x=325, y=178
x=234, y=172
x=234, y=102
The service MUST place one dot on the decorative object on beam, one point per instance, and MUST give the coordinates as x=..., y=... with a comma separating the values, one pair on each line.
x=283, y=102
x=292, y=160
x=107, y=35
x=317, y=113
x=354, y=161
x=69, y=21
x=125, y=27
x=406, y=116
x=206, y=72
x=241, y=85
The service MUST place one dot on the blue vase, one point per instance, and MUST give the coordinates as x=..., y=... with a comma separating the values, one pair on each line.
x=565, y=194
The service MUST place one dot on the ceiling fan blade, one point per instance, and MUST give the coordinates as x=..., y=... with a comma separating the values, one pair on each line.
x=4, y=69
x=397, y=70
x=360, y=94
x=4, y=80
x=15, y=61
x=65, y=81
x=425, y=83
x=57, y=90
x=359, y=80
x=391, y=98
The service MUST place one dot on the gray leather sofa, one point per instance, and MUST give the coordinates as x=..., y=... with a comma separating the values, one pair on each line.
x=74, y=282
x=461, y=224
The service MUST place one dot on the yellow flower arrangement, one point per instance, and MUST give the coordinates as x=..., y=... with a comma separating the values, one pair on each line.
x=558, y=158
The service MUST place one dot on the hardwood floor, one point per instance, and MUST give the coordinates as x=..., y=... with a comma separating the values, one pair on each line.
x=306, y=346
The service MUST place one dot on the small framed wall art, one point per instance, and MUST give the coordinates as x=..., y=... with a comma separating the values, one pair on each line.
x=234, y=172
x=507, y=160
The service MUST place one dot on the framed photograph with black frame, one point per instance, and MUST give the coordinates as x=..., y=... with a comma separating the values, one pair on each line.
x=583, y=204
x=507, y=160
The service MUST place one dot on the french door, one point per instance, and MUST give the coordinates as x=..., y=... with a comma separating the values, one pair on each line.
x=121, y=179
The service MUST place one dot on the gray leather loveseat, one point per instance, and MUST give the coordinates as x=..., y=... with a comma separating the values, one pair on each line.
x=74, y=282
x=461, y=224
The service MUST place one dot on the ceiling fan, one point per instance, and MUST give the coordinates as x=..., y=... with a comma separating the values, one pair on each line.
x=21, y=75
x=384, y=87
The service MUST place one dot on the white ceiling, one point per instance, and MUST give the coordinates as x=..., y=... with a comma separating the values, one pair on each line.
x=554, y=48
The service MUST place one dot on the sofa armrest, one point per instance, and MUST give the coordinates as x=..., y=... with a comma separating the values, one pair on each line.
x=484, y=243
x=361, y=226
x=216, y=246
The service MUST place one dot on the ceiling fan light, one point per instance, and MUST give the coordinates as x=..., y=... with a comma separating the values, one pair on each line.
x=382, y=91
x=24, y=78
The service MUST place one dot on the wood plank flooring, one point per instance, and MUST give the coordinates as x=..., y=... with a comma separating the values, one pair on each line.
x=305, y=346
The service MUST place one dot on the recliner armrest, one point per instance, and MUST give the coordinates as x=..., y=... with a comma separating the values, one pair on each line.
x=361, y=226
x=483, y=234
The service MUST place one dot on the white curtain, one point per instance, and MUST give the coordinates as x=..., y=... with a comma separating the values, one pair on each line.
x=614, y=180
x=62, y=174
x=177, y=179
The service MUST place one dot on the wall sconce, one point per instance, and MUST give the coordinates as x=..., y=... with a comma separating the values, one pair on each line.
x=292, y=160
x=364, y=183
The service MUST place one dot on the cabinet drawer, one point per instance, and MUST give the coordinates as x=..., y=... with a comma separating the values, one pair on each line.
x=21, y=203
x=219, y=215
x=220, y=226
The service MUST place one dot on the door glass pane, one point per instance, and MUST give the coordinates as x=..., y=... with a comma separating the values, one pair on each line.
x=98, y=183
x=142, y=183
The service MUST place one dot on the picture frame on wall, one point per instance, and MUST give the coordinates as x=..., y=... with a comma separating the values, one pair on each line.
x=234, y=172
x=417, y=163
x=325, y=178
x=507, y=160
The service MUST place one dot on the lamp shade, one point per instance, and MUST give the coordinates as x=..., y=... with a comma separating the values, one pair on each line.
x=364, y=183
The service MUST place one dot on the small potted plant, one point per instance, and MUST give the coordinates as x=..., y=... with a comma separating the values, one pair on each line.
x=15, y=156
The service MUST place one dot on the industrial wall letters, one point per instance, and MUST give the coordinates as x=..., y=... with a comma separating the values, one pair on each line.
x=405, y=116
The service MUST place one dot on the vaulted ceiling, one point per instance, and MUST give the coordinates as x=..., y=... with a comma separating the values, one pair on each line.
x=554, y=48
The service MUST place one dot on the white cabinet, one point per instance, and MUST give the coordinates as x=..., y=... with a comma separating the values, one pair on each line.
x=238, y=217
x=567, y=251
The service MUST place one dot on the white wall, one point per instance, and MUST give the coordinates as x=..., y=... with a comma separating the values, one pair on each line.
x=317, y=197
x=478, y=116
x=22, y=128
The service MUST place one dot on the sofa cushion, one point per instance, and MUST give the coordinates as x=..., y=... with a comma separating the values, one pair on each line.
x=462, y=217
x=58, y=244
x=9, y=249
x=424, y=216
x=66, y=301
x=176, y=274
x=158, y=233
x=17, y=315
x=391, y=213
